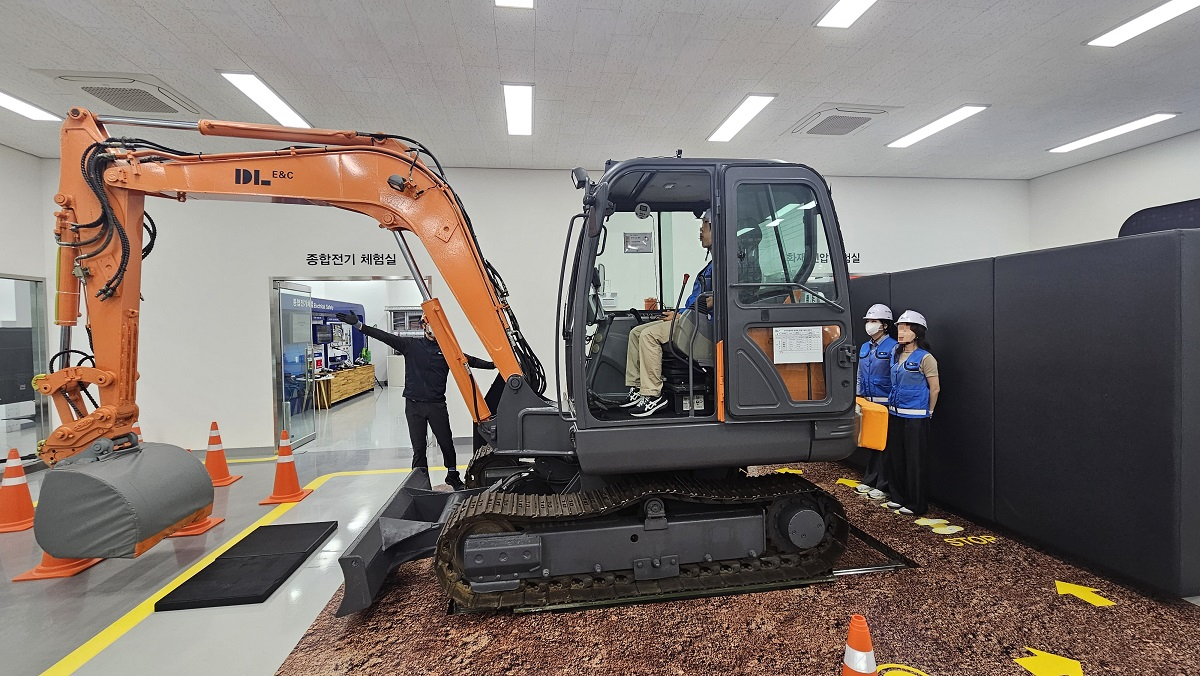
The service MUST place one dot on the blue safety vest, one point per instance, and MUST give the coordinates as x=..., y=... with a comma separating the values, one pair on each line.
x=874, y=370
x=910, y=389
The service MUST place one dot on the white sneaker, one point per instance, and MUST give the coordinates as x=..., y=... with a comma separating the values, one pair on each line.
x=862, y=488
x=634, y=398
x=877, y=494
x=905, y=511
x=893, y=505
x=649, y=406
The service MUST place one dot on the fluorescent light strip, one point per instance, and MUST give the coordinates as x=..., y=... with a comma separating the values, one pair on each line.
x=521, y=4
x=751, y=106
x=21, y=108
x=1116, y=131
x=938, y=125
x=845, y=13
x=1155, y=17
x=518, y=106
x=266, y=99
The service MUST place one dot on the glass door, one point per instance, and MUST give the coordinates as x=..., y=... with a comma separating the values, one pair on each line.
x=295, y=384
x=24, y=414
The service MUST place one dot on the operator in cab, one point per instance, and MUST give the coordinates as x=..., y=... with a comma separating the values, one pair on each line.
x=915, y=389
x=644, y=355
x=875, y=385
x=425, y=371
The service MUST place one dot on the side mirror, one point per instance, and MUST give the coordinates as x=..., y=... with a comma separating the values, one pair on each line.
x=579, y=177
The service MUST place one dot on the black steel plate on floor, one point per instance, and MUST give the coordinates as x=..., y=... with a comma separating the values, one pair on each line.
x=251, y=570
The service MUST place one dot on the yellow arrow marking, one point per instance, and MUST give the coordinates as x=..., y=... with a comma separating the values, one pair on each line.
x=948, y=530
x=1049, y=664
x=1085, y=593
x=930, y=522
x=789, y=470
x=848, y=482
x=900, y=670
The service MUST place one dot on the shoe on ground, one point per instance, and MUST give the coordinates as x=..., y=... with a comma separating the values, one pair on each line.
x=877, y=494
x=892, y=505
x=862, y=488
x=905, y=511
x=648, y=406
x=634, y=399
x=453, y=481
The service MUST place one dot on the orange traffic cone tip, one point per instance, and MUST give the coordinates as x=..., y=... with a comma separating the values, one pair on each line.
x=287, y=483
x=214, y=459
x=860, y=656
x=198, y=528
x=16, y=505
x=52, y=567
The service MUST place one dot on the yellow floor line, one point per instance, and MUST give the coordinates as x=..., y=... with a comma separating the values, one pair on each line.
x=109, y=635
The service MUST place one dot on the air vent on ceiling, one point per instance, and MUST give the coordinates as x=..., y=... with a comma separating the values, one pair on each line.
x=839, y=119
x=126, y=93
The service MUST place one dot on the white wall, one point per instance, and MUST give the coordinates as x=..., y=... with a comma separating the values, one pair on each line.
x=26, y=221
x=1091, y=201
x=205, y=343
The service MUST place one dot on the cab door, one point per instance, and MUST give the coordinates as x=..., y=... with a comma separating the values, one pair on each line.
x=787, y=350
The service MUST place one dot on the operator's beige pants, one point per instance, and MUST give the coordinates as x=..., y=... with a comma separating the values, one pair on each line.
x=643, y=358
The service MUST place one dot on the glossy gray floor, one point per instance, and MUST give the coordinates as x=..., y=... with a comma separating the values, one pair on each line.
x=47, y=621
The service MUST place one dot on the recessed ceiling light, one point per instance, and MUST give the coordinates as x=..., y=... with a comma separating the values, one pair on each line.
x=845, y=13
x=752, y=105
x=518, y=105
x=266, y=99
x=1116, y=131
x=21, y=108
x=523, y=4
x=937, y=125
x=1155, y=17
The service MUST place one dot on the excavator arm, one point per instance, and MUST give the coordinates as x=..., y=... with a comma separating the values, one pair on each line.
x=99, y=228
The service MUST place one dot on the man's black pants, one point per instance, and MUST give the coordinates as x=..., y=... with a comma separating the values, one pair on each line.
x=436, y=416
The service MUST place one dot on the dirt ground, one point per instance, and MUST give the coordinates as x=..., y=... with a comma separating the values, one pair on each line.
x=977, y=603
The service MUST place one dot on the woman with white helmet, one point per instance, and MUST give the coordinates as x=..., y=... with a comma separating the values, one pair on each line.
x=915, y=389
x=875, y=384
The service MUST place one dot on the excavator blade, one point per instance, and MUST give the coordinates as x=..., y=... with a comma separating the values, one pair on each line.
x=406, y=529
x=120, y=504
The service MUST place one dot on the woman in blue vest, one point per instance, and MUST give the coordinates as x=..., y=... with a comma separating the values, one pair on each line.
x=875, y=384
x=914, y=394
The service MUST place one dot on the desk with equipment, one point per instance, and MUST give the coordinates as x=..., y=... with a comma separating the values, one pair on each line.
x=342, y=368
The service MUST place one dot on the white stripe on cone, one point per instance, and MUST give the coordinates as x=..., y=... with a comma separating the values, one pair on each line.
x=13, y=481
x=863, y=663
x=286, y=458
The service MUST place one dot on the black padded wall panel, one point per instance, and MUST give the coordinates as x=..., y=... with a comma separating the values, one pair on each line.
x=1188, y=452
x=957, y=302
x=1086, y=401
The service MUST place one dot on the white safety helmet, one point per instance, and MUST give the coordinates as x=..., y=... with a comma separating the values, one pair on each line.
x=879, y=311
x=707, y=215
x=912, y=317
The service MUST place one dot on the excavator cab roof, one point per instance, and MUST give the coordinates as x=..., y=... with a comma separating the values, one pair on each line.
x=668, y=183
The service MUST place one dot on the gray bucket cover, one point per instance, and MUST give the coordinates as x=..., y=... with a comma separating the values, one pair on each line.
x=105, y=507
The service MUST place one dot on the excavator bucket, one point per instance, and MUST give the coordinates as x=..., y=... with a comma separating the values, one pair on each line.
x=119, y=504
x=406, y=529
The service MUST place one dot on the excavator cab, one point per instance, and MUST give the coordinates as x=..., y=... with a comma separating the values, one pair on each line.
x=775, y=345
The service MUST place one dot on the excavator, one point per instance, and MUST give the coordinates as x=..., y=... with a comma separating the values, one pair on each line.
x=571, y=501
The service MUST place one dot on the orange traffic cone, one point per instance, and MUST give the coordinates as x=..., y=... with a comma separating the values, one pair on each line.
x=287, y=484
x=214, y=459
x=52, y=567
x=16, y=507
x=860, y=656
x=137, y=429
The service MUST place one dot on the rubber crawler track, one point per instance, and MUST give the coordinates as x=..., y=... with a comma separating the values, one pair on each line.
x=495, y=510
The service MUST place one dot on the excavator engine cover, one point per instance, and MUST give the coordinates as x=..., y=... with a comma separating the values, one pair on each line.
x=106, y=507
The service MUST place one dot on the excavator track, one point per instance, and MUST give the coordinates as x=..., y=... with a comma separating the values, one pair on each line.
x=497, y=511
x=482, y=460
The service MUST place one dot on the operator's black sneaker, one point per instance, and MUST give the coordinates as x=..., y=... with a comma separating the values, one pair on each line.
x=454, y=482
x=648, y=406
x=634, y=398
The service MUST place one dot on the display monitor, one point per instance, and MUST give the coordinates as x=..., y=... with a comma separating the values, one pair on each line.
x=322, y=333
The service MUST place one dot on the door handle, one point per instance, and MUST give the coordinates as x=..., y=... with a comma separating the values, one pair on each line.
x=846, y=356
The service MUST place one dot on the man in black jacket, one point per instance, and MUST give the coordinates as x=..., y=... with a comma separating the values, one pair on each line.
x=425, y=371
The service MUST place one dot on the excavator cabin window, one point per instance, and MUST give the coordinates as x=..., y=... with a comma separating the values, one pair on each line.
x=653, y=252
x=781, y=245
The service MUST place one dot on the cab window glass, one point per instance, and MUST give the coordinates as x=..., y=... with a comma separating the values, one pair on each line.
x=782, y=246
